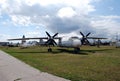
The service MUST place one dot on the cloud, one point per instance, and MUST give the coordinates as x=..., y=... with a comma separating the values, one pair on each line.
x=68, y=25
x=70, y=12
x=47, y=12
x=63, y=16
x=3, y=37
x=20, y=20
x=108, y=25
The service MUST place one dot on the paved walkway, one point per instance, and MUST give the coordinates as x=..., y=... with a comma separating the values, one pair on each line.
x=11, y=69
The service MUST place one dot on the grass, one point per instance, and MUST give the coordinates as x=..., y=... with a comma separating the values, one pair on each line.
x=91, y=64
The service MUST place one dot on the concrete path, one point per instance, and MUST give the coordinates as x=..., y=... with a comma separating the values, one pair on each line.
x=11, y=69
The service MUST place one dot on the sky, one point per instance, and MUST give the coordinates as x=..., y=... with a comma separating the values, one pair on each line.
x=67, y=17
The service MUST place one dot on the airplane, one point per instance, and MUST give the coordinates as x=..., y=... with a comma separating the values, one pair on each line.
x=71, y=42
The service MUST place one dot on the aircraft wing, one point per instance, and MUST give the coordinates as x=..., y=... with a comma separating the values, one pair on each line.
x=28, y=38
x=19, y=39
x=39, y=38
x=96, y=38
x=33, y=38
x=44, y=38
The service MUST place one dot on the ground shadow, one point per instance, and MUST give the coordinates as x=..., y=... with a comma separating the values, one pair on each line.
x=71, y=51
x=63, y=50
x=94, y=51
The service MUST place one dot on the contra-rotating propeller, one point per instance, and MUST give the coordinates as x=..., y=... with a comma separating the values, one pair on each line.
x=84, y=38
x=51, y=40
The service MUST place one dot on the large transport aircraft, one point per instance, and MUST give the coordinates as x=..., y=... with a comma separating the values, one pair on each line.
x=72, y=42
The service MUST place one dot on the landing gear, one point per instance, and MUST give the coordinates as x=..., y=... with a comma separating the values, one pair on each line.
x=76, y=50
x=49, y=50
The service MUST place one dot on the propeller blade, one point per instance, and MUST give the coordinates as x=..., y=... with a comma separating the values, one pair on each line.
x=54, y=42
x=47, y=42
x=48, y=34
x=82, y=34
x=87, y=41
x=88, y=34
x=51, y=40
x=82, y=41
x=55, y=35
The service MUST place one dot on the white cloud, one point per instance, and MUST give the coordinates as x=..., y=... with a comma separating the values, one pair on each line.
x=40, y=8
x=42, y=2
x=64, y=16
x=110, y=17
x=32, y=34
x=66, y=12
x=107, y=24
x=20, y=20
x=3, y=37
x=73, y=3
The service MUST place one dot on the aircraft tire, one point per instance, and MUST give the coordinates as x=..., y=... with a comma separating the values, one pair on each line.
x=49, y=50
x=76, y=50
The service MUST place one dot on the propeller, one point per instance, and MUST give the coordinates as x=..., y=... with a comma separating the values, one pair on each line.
x=51, y=40
x=84, y=38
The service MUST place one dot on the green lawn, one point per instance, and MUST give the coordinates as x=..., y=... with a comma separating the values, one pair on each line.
x=91, y=64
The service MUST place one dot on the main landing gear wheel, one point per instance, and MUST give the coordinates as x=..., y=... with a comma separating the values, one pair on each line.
x=76, y=50
x=49, y=50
